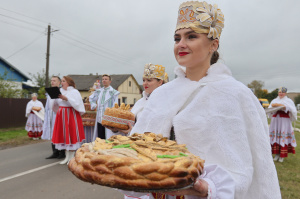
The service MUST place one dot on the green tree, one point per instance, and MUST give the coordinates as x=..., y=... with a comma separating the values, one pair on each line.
x=40, y=80
x=256, y=86
x=9, y=88
x=297, y=100
x=272, y=95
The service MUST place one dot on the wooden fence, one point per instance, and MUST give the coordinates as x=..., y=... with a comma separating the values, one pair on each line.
x=12, y=112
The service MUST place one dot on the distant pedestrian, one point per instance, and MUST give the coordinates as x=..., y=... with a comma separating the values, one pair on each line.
x=68, y=131
x=34, y=124
x=49, y=122
x=282, y=135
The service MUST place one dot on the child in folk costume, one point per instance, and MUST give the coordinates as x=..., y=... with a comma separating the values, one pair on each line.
x=34, y=124
x=218, y=118
x=68, y=132
x=282, y=135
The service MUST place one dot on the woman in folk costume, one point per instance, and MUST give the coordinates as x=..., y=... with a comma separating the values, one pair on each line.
x=34, y=124
x=68, y=132
x=218, y=118
x=282, y=135
x=153, y=77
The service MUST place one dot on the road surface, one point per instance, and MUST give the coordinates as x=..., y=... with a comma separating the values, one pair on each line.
x=25, y=173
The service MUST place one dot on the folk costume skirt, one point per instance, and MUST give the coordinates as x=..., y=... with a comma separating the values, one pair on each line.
x=68, y=130
x=34, y=126
x=282, y=135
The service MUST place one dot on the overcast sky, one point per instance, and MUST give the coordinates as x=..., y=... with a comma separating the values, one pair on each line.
x=260, y=40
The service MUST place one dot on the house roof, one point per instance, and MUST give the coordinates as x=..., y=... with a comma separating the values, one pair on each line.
x=14, y=69
x=85, y=82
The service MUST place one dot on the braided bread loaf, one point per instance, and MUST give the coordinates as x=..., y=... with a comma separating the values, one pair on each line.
x=139, y=162
x=118, y=117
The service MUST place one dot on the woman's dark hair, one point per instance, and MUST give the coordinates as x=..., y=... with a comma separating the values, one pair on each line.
x=214, y=58
x=69, y=80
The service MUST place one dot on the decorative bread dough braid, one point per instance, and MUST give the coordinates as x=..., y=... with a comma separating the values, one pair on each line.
x=139, y=162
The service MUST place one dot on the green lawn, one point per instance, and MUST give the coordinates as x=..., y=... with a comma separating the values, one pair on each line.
x=14, y=137
x=289, y=174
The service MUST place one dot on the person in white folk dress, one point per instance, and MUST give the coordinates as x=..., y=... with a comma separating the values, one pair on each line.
x=153, y=77
x=34, y=124
x=282, y=136
x=68, y=133
x=217, y=117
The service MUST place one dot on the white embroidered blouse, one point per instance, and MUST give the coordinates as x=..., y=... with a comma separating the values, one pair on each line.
x=224, y=124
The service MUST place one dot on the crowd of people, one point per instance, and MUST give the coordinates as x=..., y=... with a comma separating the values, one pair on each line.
x=217, y=117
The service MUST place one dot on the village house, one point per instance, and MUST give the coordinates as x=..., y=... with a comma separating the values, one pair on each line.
x=12, y=75
x=126, y=84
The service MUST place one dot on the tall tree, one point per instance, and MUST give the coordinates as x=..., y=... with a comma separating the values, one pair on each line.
x=39, y=78
x=8, y=88
x=272, y=95
x=256, y=86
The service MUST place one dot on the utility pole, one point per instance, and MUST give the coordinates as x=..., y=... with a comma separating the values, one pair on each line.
x=48, y=54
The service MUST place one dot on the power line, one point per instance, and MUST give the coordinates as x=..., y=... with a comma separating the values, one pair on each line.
x=26, y=46
x=23, y=15
x=21, y=20
x=78, y=38
x=101, y=55
x=98, y=49
x=24, y=27
x=89, y=41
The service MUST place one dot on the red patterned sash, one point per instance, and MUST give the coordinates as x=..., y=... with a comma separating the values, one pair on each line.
x=282, y=114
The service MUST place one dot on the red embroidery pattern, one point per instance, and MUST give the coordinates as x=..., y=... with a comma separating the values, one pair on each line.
x=117, y=120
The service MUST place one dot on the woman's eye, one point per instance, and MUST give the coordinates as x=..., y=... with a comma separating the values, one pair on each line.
x=192, y=36
x=176, y=39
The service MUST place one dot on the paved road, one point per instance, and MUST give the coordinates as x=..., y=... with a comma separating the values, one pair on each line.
x=25, y=173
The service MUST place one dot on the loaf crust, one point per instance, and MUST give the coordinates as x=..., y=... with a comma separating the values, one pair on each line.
x=138, y=167
x=118, y=117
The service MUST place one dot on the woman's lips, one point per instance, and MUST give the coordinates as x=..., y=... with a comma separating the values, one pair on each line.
x=182, y=53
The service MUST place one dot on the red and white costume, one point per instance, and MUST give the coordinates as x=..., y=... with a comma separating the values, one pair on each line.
x=34, y=125
x=68, y=130
x=282, y=137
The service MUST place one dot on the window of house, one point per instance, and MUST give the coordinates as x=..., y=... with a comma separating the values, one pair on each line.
x=134, y=100
x=124, y=100
x=129, y=83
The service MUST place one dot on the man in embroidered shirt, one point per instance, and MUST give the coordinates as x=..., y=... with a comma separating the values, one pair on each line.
x=103, y=98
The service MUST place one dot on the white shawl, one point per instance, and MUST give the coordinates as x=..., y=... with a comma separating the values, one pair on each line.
x=223, y=123
x=32, y=104
x=289, y=104
x=139, y=105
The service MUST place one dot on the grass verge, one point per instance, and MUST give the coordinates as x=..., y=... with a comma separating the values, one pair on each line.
x=289, y=174
x=13, y=137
